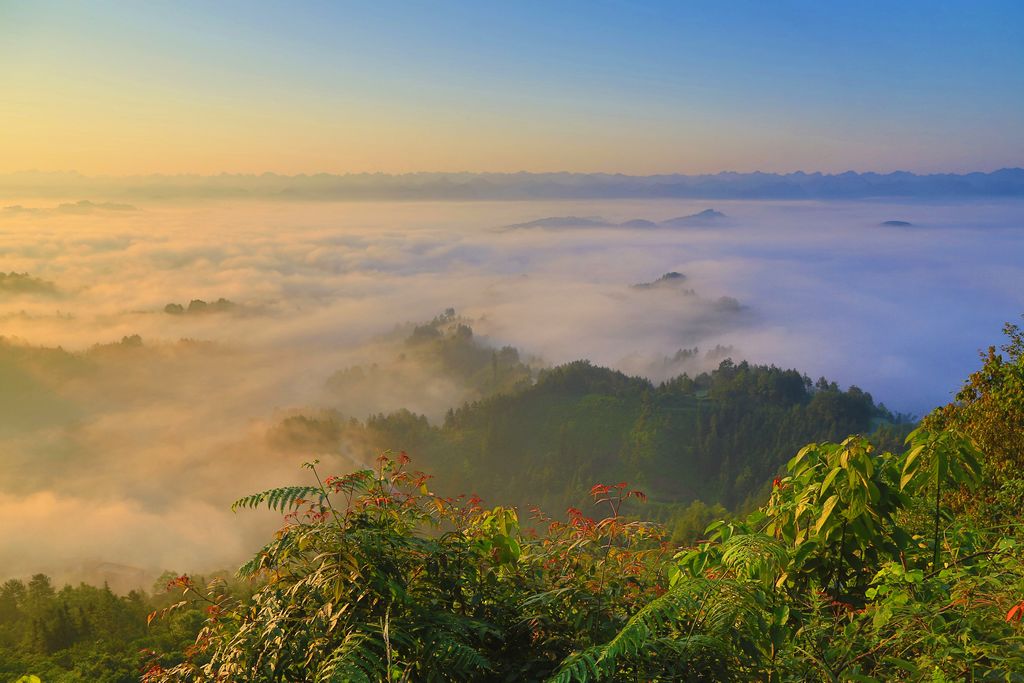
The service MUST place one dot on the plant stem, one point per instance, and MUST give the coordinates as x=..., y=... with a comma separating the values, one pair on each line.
x=839, y=572
x=935, y=558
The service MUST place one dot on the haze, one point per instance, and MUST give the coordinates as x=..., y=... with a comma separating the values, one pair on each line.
x=164, y=435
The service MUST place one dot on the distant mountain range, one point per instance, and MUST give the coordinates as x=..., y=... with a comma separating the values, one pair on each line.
x=1007, y=182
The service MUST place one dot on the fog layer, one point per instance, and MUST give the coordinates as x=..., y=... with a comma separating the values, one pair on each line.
x=129, y=449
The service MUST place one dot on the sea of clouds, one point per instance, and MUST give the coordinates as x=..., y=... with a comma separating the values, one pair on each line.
x=128, y=453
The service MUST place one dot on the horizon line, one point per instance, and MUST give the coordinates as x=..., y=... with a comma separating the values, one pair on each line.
x=398, y=174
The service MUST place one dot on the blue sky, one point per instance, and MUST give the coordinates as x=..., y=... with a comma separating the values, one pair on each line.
x=596, y=86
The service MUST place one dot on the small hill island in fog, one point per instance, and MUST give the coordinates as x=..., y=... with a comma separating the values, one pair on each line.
x=707, y=217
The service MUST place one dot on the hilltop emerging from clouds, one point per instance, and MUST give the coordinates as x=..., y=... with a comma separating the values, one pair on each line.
x=1007, y=182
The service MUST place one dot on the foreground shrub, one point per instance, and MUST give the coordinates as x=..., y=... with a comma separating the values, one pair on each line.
x=854, y=570
x=374, y=577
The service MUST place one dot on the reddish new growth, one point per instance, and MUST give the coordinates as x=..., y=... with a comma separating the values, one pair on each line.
x=151, y=669
x=614, y=495
x=183, y=581
x=152, y=672
x=606, y=547
x=1016, y=613
x=579, y=521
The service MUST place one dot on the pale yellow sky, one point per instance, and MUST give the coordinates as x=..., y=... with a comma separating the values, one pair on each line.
x=136, y=88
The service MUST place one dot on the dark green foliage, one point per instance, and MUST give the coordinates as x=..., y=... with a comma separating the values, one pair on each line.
x=711, y=442
x=858, y=567
x=718, y=438
x=700, y=446
x=989, y=408
x=85, y=634
x=863, y=564
x=379, y=579
x=835, y=578
x=853, y=570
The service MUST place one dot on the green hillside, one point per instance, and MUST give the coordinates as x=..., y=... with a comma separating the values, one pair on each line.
x=847, y=559
x=863, y=564
x=717, y=439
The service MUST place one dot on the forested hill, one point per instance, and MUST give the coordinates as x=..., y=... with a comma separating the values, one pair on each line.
x=861, y=565
x=718, y=438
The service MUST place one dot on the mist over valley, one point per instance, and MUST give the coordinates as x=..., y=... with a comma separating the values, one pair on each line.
x=151, y=356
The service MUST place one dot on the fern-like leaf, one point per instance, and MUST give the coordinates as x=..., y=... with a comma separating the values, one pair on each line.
x=461, y=660
x=280, y=499
x=579, y=667
x=753, y=556
x=354, y=661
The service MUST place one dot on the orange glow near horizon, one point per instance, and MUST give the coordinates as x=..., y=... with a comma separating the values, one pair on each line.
x=148, y=88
